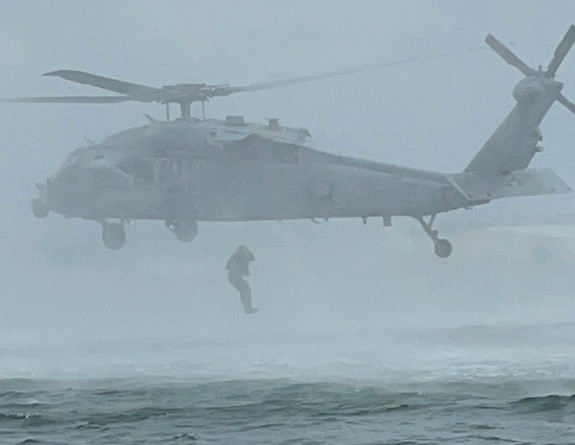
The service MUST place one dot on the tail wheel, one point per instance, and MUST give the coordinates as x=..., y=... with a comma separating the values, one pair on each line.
x=185, y=230
x=113, y=235
x=443, y=248
x=39, y=209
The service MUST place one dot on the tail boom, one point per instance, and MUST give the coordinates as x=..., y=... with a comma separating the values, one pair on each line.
x=512, y=146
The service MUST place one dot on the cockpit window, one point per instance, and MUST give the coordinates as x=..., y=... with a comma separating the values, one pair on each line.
x=75, y=158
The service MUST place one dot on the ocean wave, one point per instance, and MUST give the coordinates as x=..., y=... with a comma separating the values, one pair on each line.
x=281, y=411
x=546, y=403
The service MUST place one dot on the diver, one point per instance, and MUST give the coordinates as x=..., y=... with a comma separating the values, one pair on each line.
x=238, y=267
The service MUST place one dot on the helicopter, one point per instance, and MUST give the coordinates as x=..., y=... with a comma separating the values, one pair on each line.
x=191, y=170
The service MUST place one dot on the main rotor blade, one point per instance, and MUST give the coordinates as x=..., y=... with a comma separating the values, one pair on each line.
x=139, y=92
x=564, y=101
x=70, y=99
x=188, y=93
x=561, y=51
x=507, y=55
x=303, y=79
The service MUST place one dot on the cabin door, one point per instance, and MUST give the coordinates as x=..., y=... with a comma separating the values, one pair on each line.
x=173, y=180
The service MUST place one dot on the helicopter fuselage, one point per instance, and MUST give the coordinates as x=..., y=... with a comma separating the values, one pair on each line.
x=192, y=170
x=230, y=171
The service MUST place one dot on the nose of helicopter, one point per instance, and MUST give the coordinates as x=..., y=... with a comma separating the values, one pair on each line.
x=63, y=192
x=40, y=206
x=86, y=188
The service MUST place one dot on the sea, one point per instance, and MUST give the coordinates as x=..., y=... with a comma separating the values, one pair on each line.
x=469, y=384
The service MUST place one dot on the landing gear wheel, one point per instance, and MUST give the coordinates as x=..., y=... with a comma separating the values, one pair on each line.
x=39, y=209
x=443, y=248
x=113, y=235
x=185, y=230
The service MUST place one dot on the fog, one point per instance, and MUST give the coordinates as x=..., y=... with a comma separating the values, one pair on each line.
x=60, y=287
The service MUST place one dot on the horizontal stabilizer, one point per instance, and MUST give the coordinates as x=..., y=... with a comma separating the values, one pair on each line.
x=517, y=183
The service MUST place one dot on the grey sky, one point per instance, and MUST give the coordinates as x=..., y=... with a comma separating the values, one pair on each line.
x=56, y=277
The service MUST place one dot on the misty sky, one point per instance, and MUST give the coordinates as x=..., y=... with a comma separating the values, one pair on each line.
x=58, y=280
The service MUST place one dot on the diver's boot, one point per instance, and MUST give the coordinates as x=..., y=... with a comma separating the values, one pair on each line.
x=250, y=310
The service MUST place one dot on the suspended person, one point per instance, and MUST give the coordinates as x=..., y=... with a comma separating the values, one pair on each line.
x=238, y=268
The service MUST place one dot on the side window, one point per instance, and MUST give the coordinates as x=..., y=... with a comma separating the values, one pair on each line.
x=142, y=170
x=170, y=169
x=170, y=175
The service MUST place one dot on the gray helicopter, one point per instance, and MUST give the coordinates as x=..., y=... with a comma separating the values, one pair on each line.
x=192, y=170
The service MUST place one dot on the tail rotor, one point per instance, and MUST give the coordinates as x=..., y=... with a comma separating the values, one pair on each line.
x=560, y=52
